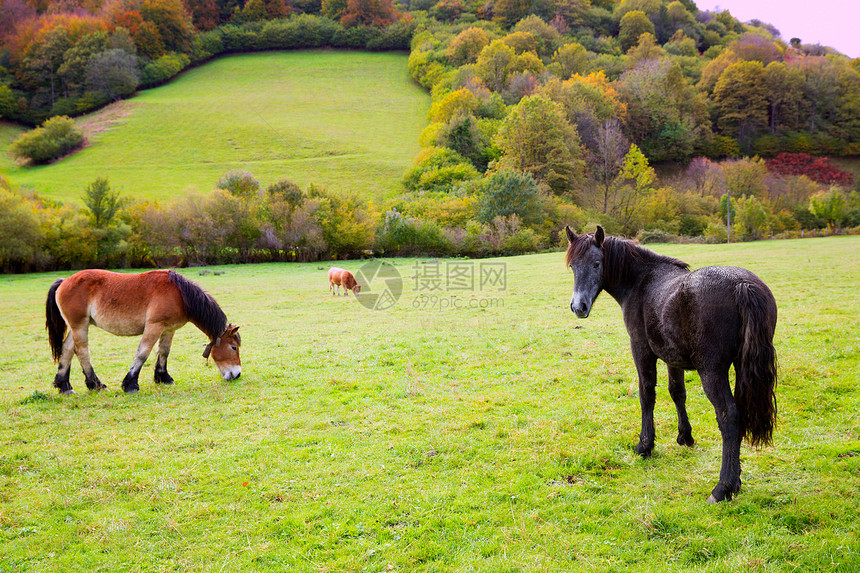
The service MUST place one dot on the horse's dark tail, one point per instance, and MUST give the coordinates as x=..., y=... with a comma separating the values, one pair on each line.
x=755, y=368
x=54, y=322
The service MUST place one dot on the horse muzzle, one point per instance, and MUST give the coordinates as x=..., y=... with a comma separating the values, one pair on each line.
x=231, y=373
x=581, y=309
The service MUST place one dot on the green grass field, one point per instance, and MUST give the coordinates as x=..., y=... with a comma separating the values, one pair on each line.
x=343, y=120
x=493, y=435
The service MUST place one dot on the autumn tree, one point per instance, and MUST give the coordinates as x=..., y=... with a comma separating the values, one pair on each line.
x=665, y=116
x=536, y=138
x=466, y=46
x=741, y=100
x=633, y=25
x=568, y=60
x=172, y=21
x=379, y=13
x=783, y=95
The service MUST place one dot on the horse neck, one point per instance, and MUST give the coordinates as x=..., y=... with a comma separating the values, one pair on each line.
x=200, y=308
x=627, y=268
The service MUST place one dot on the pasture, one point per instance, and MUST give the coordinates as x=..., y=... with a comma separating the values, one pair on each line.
x=491, y=435
x=347, y=121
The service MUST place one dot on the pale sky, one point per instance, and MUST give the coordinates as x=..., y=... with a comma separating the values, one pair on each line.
x=834, y=23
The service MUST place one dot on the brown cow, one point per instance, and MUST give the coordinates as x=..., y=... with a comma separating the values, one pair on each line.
x=342, y=278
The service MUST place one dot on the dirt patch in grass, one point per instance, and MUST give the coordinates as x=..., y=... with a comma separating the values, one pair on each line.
x=107, y=118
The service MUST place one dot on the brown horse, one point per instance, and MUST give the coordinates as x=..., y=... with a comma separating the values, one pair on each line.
x=338, y=277
x=154, y=304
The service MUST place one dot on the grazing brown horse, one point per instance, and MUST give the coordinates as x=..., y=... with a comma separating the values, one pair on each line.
x=705, y=320
x=338, y=277
x=154, y=304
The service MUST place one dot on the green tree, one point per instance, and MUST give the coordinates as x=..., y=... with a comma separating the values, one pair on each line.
x=42, y=61
x=740, y=97
x=20, y=229
x=510, y=192
x=465, y=46
x=751, y=218
x=568, y=60
x=8, y=102
x=102, y=203
x=537, y=138
x=75, y=60
x=829, y=205
x=239, y=183
x=784, y=92
x=55, y=138
x=633, y=25
x=635, y=183
x=113, y=73
x=495, y=63
x=666, y=116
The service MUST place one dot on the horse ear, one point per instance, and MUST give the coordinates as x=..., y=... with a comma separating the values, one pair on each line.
x=207, y=350
x=599, y=236
x=571, y=236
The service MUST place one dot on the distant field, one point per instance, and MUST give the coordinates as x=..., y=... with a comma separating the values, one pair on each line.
x=348, y=121
x=493, y=435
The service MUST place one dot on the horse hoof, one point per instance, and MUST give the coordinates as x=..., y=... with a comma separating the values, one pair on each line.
x=68, y=392
x=132, y=391
x=712, y=499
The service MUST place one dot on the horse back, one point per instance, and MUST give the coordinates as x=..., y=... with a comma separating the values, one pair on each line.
x=341, y=277
x=696, y=321
x=121, y=303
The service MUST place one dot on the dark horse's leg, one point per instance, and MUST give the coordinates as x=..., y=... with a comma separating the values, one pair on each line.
x=161, y=375
x=150, y=334
x=679, y=395
x=718, y=391
x=646, y=367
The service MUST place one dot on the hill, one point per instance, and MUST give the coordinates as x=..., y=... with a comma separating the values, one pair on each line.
x=344, y=120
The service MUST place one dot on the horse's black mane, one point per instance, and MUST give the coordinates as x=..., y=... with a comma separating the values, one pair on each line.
x=620, y=256
x=200, y=307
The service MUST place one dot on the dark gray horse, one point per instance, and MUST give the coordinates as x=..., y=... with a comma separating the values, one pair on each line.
x=705, y=320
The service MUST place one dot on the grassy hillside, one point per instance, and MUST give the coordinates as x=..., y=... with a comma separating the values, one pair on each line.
x=496, y=436
x=347, y=121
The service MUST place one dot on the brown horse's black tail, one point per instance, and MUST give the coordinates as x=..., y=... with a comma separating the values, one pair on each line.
x=755, y=368
x=54, y=322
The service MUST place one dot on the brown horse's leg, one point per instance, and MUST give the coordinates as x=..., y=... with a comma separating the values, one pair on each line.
x=679, y=395
x=161, y=375
x=82, y=348
x=646, y=367
x=150, y=334
x=61, y=380
x=718, y=391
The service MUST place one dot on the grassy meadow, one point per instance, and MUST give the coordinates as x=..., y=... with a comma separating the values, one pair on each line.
x=489, y=432
x=347, y=121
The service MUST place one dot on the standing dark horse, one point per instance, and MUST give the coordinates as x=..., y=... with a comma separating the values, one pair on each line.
x=154, y=304
x=705, y=320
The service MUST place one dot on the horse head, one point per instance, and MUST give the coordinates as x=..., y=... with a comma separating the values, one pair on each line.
x=225, y=353
x=585, y=259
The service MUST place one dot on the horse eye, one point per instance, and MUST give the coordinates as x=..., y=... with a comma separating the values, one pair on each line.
x=596, y=264
x=234, y=348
